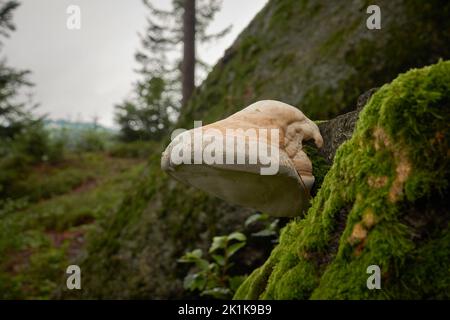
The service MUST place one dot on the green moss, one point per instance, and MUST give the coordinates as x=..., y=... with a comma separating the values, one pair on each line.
x=383, y=202
x=320, y=166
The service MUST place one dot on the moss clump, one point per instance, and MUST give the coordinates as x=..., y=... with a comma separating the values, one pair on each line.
x=383, y=202
x=319, y=163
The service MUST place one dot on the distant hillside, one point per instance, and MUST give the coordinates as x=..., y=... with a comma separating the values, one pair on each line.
x=75, y=125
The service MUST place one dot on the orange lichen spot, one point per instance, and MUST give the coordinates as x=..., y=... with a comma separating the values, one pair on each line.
x=359, y=233
x=381, y=138
x=403, y=170
x=403, y=166
x=377, y=182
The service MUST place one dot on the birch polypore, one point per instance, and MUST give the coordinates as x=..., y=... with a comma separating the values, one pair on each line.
x=253, y=158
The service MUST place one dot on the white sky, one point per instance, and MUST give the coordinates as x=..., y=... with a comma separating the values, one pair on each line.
x=82, y=73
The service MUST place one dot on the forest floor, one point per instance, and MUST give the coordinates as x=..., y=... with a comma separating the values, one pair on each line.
x=40, y=237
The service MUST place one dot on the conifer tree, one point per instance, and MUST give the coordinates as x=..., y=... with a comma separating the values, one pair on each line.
x=14, y=115
x=167, y=63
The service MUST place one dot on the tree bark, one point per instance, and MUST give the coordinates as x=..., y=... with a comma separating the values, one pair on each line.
x=338, y=130
x=188, y=66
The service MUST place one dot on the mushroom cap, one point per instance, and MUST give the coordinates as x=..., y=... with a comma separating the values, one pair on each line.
x=283, y=193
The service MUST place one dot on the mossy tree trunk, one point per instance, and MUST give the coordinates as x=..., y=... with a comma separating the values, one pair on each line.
x=337, y=130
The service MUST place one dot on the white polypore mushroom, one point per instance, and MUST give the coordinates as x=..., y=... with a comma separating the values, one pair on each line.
x=253, y=158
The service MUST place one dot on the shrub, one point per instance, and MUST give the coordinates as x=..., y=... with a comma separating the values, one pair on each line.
x=91, y=141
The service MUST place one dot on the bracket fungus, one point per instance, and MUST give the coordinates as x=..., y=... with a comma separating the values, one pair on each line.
x=253, y=158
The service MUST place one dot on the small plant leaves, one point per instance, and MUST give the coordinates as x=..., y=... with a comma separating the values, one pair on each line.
x=234, y=248
x=191, y=257
x=264, y=233
x=194, y=281
x=252, y=219
x=218, y=293
x=237, y=236
x=218, y=243
x=219, y=259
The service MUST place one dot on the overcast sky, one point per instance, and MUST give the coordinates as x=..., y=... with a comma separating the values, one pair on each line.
x=82, y=73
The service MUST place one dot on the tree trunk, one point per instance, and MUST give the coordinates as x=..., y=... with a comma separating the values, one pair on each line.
x=188, y=67
x=338, y=130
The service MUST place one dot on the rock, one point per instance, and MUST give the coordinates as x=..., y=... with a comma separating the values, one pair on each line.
x=340, y=129
x=288, y=53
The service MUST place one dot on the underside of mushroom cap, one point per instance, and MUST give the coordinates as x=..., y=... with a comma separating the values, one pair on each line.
x=283, y=192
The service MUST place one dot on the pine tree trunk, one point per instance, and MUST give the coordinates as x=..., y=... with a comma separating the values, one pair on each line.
x=188, y=50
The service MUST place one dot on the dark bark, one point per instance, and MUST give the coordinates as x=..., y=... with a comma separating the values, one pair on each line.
x=338, y=130
x=188, y=67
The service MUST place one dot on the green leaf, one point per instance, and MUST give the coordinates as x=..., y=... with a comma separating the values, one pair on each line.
x=202, y=264
x=219, y=259
x=264, y=233
x=273, y=226
x=237, y=236
x=252, y=219
x=218, y=293
x=197, y=253
x=234, y=248
x=194, y=281
x=213, y=268
x=191, y=257
x=184, y=259
x=218, y=243
x=188, y=281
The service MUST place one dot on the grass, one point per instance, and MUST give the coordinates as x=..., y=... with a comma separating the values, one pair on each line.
x=42, y=233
